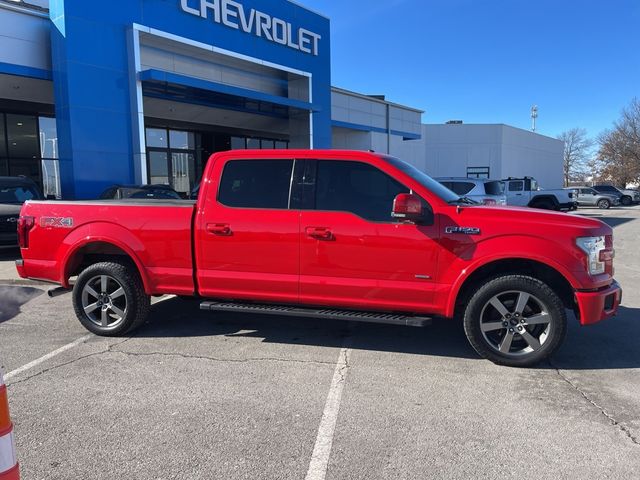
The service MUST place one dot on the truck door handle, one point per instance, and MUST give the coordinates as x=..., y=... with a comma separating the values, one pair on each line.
x=220, y=229
x=319, y=233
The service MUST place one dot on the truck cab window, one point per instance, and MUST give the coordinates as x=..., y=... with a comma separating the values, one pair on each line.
x=356, y=187
x=516, y=186
x=256, y=184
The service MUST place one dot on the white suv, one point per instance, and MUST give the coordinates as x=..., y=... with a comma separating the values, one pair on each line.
x=482, y=190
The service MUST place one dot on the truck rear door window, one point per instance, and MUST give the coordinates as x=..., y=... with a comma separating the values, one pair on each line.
x=256, y=184
x=356, y=187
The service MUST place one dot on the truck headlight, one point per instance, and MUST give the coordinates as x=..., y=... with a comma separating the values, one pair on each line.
x=592, y=246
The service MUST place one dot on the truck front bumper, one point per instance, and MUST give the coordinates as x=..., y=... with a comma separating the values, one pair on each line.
x=599, y=305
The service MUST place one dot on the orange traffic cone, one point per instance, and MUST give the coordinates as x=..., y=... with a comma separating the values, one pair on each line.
x=9, y=469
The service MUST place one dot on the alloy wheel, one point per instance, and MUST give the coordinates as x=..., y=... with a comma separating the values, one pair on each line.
x=515, y=323
x=104, y=301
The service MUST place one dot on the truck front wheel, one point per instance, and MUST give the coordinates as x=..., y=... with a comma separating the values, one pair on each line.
x=515, y=320
x=109, y=299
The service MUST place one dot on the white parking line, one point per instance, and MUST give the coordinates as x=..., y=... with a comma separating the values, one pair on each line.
x=324, y=440
x=46, y=357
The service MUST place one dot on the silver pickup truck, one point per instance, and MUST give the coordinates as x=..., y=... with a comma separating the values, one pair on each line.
x=525, y=192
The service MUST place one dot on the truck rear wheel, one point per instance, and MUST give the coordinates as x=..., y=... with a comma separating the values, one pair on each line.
x=109, y=299
x=515, y=320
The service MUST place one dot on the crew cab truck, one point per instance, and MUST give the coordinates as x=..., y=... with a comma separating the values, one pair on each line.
x=329, y=234
x=525, y=192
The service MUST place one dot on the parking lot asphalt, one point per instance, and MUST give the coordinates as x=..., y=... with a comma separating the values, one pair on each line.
x=195, y=395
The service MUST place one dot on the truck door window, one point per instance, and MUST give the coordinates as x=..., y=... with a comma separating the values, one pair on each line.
x=356, y=187
x=516, y=186
x=256, y=184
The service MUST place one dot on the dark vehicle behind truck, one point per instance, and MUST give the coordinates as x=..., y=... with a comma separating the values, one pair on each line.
x=14, y=191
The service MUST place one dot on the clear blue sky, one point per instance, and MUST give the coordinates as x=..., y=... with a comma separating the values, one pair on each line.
x=488, y=61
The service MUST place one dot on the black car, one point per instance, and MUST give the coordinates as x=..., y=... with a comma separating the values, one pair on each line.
x=14, y=191
x=118, y=192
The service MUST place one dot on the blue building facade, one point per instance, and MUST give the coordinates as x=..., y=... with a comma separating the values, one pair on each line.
x=261, y=58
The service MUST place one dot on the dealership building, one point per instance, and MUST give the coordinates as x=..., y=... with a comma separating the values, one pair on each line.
x=143, y=91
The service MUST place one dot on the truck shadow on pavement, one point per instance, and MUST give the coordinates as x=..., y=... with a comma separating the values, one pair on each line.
x=612, y=344
x=180, y=318
x=12, y=298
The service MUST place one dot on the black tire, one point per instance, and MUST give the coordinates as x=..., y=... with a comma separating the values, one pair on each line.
x=122, y=297
x=489, y=330
x=604, y=204
x=626, y=200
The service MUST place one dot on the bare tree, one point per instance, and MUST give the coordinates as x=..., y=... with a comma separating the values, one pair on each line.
x=620, y=147
x=577, y=152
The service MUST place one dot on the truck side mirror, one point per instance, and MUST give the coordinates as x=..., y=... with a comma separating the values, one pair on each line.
x=408, y=207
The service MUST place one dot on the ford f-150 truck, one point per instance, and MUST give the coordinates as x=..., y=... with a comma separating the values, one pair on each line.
x=329, y=234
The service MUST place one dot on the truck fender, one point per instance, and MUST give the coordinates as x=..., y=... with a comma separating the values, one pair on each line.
x=103, y=232
x=534, y=247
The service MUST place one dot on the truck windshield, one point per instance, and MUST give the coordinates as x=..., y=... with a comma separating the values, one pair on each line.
x=425, y=180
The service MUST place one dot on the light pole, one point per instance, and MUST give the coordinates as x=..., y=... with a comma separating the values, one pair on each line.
x=534, y=117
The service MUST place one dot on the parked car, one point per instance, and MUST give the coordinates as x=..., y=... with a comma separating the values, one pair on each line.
x=14, y=191
x=484, y=191
x=625, y=198
x=525, y=192
x=634, y=194
x=588, y=197
x=119, y=192
x=331, y=235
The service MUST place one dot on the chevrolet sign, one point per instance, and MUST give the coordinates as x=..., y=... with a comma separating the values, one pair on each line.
x=233, y=15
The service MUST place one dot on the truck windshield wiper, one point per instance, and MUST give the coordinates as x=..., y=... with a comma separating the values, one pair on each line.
x=464, y=200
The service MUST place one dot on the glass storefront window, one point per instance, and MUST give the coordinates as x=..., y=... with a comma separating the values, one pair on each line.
x=238, y=143
x=158, y=168
x=157, y=137
x=51, y=178
x=22, y=136
x=267, y=144
x=48, y=138
x=181, y=140
x=282, y=145
x=3, y=140
x=183, y=167
x=253, y=143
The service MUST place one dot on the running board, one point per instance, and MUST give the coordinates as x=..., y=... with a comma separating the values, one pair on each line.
x=370, y=317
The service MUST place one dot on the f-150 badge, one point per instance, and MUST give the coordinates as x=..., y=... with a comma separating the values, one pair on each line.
x=463, y=230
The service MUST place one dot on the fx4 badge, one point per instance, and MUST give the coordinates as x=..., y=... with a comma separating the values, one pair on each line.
x=463, y=230
x=56, y=222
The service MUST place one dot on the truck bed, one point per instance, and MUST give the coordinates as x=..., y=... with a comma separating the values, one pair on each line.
x=155, y=232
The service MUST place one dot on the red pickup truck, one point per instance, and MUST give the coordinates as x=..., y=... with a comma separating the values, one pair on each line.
x=329, y=234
